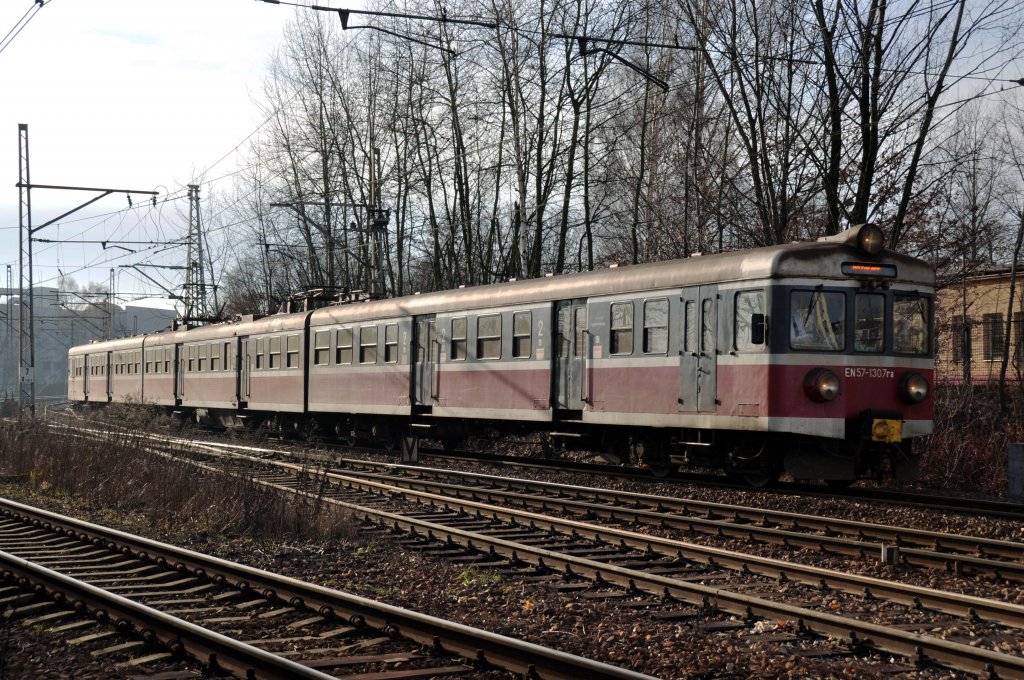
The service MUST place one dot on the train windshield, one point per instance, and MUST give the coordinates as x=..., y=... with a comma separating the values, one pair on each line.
x=896, y=322
x=817, y=320
x=910, y=314
x=869, y=322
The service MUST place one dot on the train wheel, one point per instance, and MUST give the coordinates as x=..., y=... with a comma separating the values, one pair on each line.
x=752, y=462
x=652, y=454
x=759, y=481
x=839, y=484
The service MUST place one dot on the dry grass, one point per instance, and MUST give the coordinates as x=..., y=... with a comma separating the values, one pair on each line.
x=967, y=451
x=115, y=470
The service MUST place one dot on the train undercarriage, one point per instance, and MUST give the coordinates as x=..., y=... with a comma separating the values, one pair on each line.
x=755, y=458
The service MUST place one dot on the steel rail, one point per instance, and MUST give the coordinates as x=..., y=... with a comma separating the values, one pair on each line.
x=932, y=558
x=934, y=542
x=952, y=603
x=856, y=632
x=154, y=626
x=471, y=643
x=988, y=507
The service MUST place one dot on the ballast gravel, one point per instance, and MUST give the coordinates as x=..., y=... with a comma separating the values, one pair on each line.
x=617, y=630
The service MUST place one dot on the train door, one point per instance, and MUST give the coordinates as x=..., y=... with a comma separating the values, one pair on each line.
x=179, y=373
x=87, y=359
x=108, y=374
x=424, y=364
x=571, y=352
x=244, y=367
x=698, y=365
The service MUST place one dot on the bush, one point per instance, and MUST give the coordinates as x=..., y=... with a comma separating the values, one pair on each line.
x=967, y=450
x=116, y=469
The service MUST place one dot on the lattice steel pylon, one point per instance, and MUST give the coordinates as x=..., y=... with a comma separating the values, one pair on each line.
x=197, y=308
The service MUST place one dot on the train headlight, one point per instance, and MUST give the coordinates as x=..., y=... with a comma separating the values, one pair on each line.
x=915, y=388
x=870, y=239
x=822, y=384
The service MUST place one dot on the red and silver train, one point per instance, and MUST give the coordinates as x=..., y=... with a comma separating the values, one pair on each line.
x=812, y=358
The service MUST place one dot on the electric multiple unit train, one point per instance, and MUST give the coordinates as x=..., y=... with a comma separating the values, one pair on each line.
x=814, y=359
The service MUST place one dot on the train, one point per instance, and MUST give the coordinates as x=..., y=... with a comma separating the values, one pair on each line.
x=813, y=359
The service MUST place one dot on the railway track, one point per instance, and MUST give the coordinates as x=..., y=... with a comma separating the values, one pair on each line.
x=988, y=507
x=969, y=555
x=961, y=554
x=499, y=537
x=169, y=602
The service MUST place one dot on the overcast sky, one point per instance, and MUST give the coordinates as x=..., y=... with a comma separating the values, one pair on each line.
x=125, y=94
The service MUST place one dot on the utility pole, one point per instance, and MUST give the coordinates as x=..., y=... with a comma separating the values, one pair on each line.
x=110, y=307
x=377, y=219
x=26, y=341
x=26, y=234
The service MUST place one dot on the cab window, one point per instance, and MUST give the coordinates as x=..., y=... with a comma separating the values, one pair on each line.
x=910, y=316
x=869, y=323
x=817, y=320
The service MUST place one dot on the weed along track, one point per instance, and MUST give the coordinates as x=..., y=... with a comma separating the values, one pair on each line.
x=691, y=582
x=160, y=602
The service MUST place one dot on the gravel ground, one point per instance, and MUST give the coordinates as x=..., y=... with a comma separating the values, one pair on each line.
x=616, y=630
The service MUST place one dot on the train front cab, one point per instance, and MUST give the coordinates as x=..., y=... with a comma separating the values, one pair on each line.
x=850, y=374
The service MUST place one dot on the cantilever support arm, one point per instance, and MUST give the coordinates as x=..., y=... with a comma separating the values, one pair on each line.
x=103, y=193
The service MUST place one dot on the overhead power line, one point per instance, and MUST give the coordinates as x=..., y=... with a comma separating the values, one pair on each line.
x=22, y=23
x=614, y=42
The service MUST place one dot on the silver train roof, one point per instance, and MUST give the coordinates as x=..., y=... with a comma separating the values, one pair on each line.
x=812, y=259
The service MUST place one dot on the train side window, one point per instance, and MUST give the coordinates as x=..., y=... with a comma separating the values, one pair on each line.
x=259, y=353
x=656, y=326
x=321, y=348
x=690, y=327
x=391, y=343
x=817, y=320
x=707, y=325
x=459, y=343
x=292, y=360
x=522, y=335
x=191, y=351
x=204, y=352
x=274, y=352
x=747, y=325
x=228, y=356
x=138, y=360
x=580, y=327
x=149, y=361
x=869, y=322
x=368, y=345
x=167, y=360
x=488, y=337
x=622, y=328
x=563, y=332
x=215, y=356
x=343, y=354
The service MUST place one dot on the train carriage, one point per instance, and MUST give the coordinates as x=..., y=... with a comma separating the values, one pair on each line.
x=126, y=380
x=812, y=358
